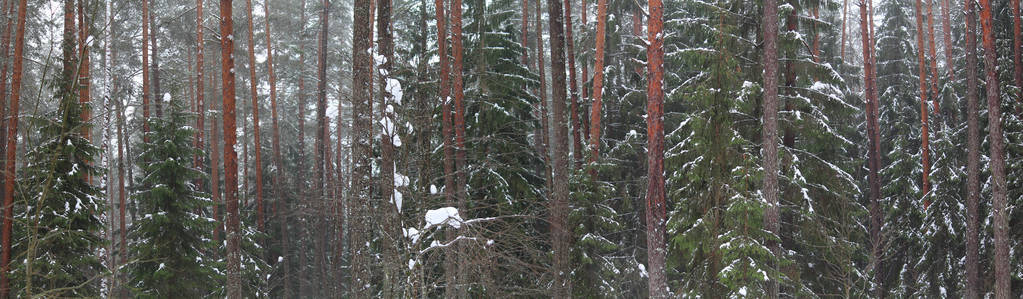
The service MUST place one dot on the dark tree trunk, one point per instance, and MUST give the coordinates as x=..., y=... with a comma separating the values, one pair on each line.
x=362, y=119
x=873, y=151
x=770, y=133
x=145, y=70
x=257, y=148
x=560, y=234
x=973, y=155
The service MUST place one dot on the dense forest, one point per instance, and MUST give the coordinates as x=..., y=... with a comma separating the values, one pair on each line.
x=511, y=148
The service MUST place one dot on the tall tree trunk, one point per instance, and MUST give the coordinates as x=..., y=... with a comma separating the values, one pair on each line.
x=935, y=97
x=12, y=146
x=391, y=207
x=577, y=146
x=972, y=155
x=922, y=67
x=321, y=100
x=560, y=235
x=450, y=266
x=67, y=80
x=282, y=206
x=845, y=13
x=257, y=149
x=145, y=70
x=1017, y=47
x=215, y=180
x=655, y=205
x=946, y=30
x=234, y=287
x=362, y=127
x=544, y=115
x=873, y=148
x=598, y=81
x=158, y=97
x=997, y=139
x=461, y=170
x=770, y=133
x=84, y=79
x=200, y=104
x=4, y=51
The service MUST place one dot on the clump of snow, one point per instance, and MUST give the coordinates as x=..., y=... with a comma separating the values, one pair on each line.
x=433, y=189
x=441, y=216
x=166, y=97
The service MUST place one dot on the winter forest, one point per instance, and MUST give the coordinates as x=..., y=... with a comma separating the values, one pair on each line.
x=511, y=148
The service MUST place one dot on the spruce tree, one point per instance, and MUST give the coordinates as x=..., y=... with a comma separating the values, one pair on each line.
x=170, y=243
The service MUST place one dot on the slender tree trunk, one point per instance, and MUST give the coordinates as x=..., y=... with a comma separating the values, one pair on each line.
x=577, y=146
x=973, y=155
x=362, y=118
x=935, y=97
x=257, y=149
x=997, y=139
x=461, y=169
x=873, y=149
x=234, y=287
x=4, y=51
x=1017, y=43
x=598, y=82
x=655, y=205
x=321, y=104
x=845, y=14
x=215, y=181
x=544, y=115
x=922, y=67
x=12, y=146
x=560, y=235
x=145, y=70
x=281, y=208
x=84, y=79
x=388, y=86
x=946, y=28
x=158, y=97
x=770, y=133
x=200, y=105
x=450, y=266
x=67, y=81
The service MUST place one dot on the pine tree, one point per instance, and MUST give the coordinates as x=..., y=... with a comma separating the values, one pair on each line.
x=171, y=242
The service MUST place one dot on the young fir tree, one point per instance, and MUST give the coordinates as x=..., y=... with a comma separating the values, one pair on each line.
x=718, y=235
x=171, y=242
x=59, y=232
x=902, y=195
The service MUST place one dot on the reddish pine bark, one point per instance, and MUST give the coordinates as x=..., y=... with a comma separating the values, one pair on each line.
x=158, y=97
x=946, y=29
x=598, y=81
x=845, y=13
x=655, y=205
x=234, y=286
x=997, y=139
x=922, y=67
x=458, y=89
x=84, y=80
x=874, y=154
x=255, y=122
x=145, y=70
x=5, y=47
x=12, y=145
x=560, y=235
x=770, y=132
x=973, y=155
x=935, y=97
x=450, y=267
x=281, y=207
